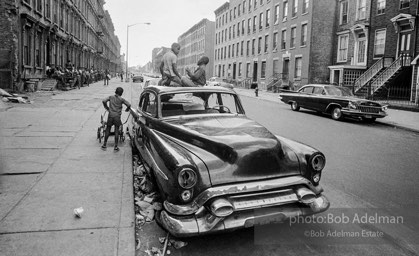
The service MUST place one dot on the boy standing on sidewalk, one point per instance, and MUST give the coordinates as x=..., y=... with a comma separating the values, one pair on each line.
x=114, y=116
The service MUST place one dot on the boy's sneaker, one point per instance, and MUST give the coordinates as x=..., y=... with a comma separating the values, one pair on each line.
x=116, y=148
x=103, y=146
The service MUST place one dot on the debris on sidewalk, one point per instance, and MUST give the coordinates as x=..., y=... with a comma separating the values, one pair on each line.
x=78, y=212
x=14, y=98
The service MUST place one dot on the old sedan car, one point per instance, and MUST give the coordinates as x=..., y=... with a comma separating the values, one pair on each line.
x=217, y=81
x=333, y=100
x=218, y=170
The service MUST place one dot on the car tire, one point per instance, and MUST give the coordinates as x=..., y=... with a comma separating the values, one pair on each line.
x=368, y=120
x=295, y=106
x=337, y=113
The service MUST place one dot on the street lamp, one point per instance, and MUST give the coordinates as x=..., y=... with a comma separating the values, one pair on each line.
x=128, y=26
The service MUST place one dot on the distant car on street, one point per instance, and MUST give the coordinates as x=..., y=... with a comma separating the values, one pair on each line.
x=137, y=79
x=218, y=81
x=339, y=102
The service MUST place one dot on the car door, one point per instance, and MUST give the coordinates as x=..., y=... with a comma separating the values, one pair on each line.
x=319, y=99
x=147, y=110
x=305, y=97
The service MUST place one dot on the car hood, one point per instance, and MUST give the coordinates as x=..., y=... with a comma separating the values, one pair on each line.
x=234, y=148
x=357, y=100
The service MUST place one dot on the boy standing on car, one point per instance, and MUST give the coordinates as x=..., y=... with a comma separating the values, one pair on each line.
x=114, y=116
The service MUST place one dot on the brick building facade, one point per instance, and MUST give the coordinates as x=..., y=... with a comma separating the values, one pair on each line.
x=274, y=41
x=41, y=33
x=197, y=42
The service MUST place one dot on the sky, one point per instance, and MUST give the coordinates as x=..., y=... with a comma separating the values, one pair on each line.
x=169, y=19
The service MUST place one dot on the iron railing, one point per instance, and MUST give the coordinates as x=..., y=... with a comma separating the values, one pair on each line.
x=363, y=80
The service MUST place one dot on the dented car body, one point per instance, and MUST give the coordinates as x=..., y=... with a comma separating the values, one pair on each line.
x=218, y=170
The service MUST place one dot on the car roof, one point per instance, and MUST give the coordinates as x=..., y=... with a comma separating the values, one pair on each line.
x=169, y=89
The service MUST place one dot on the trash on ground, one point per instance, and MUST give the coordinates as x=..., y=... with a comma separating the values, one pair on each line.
x=140, y=219
x=78, y=212
x=138, y=244
x=157, y=206
x=178, y=244
x=142, y=204
x=4, y=93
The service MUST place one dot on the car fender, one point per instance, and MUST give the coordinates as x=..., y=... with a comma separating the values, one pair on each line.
x=331, y=106
x=167, y=159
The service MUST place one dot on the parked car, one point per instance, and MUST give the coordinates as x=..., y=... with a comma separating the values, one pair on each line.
x=218, y=170
x=339, y=102
x=138, y=79
x=217, y=81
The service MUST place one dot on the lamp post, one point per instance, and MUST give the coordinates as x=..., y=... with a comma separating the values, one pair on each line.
x=128, y=26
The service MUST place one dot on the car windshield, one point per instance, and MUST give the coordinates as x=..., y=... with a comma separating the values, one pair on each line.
x=338, y=91
x=175, y=104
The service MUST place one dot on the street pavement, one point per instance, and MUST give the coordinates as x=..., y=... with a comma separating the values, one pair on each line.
x=52, y=163
x=401, y=119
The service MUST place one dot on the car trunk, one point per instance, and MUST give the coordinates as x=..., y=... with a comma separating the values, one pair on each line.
x=247, y=150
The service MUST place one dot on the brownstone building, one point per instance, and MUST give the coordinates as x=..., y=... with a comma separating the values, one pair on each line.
x=274, y=42
x=41, y=33
x=195, y=43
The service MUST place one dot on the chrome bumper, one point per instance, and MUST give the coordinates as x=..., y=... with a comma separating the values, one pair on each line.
x=206, y=223
x=358, y=113
x=235, y=206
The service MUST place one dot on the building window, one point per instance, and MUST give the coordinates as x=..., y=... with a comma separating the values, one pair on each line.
x=263, y=70
x=404, y=4
x=298, y=67
x=249, y=25
x=48, y=9
x=38, y=47
x=250, y=5
x=244, y=6
x=229, y=33
x=240, y=69
x=276, y=15
x=243, y=24
x=259, y=45
x=293, y=37
x=266, y=43
x=275, y=41
x=229, y=51
x=255, y=20
x=379, y=43
x=39, y=5
x=241, y=48
x=361, y=11
x=381, y=6
x=268, y=17
x=247, y=69
x=238, y=29
x=232, y=50
x=260, y=20
x=27, y=44
x=248, y=48
x=238, y=10
x=294, y=8
x=234, y=31
x=253, y=46
x=304, y=35
x=343, y=19
x=284, y=10
x=305, y=5
x=343, y=48
x=235, y=10
x=283, y=39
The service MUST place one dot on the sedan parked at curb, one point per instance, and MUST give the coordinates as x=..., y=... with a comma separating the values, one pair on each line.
x=339, y=102
x=218, y=170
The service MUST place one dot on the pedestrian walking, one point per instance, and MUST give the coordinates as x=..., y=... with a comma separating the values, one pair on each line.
x=114, y=116
x=106, y=78
x=122, y=77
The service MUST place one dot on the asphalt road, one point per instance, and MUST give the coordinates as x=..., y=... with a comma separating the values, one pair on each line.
x=371, y=178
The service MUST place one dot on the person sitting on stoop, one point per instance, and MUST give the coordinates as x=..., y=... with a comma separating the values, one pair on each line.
x=114, y=116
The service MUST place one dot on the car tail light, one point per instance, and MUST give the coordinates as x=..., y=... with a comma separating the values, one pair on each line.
x=186, y=195
x=187, y=178
x=317, y=161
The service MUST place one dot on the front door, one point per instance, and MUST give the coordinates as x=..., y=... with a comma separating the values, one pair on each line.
x=404, y=42
x=255, y=71
x=234, y=70
x=361, y=50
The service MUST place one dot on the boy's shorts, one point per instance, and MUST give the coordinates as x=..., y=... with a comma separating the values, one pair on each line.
x=116, y=120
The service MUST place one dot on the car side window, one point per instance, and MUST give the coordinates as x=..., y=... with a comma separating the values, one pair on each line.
x=318, y=91
x=307, y=90
x=148, y=104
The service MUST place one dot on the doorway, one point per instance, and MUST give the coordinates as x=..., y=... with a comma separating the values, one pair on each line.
x=234, y=71
x=255, y=71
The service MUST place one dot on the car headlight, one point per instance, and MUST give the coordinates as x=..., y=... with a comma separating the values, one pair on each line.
x=384, y=108
x=187, y=178
x=351, y=105
x=317, y=162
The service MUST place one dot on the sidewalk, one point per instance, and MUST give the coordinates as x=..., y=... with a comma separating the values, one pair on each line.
x=52, y=163
x=402, y=119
